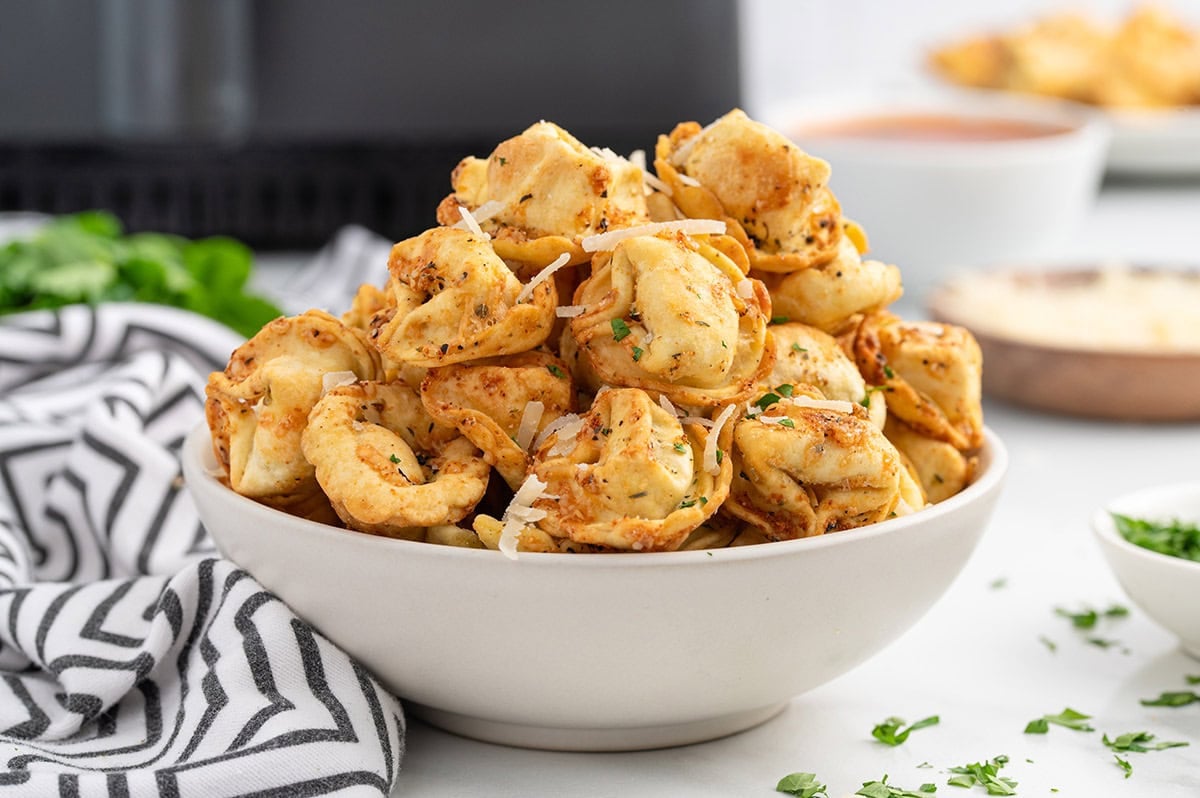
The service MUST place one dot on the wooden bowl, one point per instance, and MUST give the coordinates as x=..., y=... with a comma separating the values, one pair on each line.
x=1120, y=384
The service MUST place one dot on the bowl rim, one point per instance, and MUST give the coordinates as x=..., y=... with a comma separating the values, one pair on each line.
x=1085, y=127
x=199, y=463
x=1105, y=529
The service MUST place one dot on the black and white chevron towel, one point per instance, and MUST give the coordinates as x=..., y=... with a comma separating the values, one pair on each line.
x=134, y=660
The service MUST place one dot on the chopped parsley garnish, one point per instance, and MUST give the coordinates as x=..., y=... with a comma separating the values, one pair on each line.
x=1088, y=617
x=779, y=319
x=1140, y=742
x=766, y=400
x=503, y=161
x=687, y=503
x=1068, y=718
x=703, y=500
x=797, y=348
x=679, y=447
x=1176, y=698
x=881, y=789
x=985, y=774
x=804, y=785
x=637, y=353
x=787, y=422
x=619, y=329
x=394, y=459
x=784, y=390
x=892, y=731
x=556, y=371
x=866, y=400
x=720, y=456
x=887, y=371
x=1175, y=539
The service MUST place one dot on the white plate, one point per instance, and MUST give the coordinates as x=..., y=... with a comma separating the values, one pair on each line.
x=1154, y=143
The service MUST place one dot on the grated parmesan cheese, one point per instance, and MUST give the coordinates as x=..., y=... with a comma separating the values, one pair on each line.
x=487, y=210
x=530, y=418
x=695, y=227
x=470, y=223
x=569, y=311
x=701, y=420
x=336, y=379
x=554, y=426
x=542, y=276
x=654, y=183
x=567, y=435
x=710, y=444
x=1120, y=308
x=519, y=511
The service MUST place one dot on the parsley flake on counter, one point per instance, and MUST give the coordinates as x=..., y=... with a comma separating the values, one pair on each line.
x=1140, y=742
x=881, y=789
x=619, y=329
x=1068, y=718
x=1088, y=617
x=1048, y=643
x=1124, y=765
x=1174, y=538
x=985, y=774
x=892, y=731
x=804, y=785
x=1174, y=698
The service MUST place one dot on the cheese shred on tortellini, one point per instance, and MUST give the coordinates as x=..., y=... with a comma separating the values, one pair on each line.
x=586, y=357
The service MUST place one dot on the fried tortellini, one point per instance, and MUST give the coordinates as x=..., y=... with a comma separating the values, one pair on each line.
x=931, y=372
x=585, y=358
x=257, y=407
x=807, y=356
x=386, y=467
x=807, y=466
x=546, y=191
x=469, y=304
x=675, y=316
x=774, y=196
x=1151, y=59
x=501, y=404
x=629, y=475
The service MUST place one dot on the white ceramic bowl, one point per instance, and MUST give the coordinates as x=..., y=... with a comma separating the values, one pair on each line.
x=601, y=651
x=1166, y=588
x=936, y=208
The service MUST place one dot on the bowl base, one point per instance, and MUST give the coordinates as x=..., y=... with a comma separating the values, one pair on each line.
x=632, y=738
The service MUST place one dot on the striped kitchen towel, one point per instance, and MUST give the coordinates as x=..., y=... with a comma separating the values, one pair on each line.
x=134, y=660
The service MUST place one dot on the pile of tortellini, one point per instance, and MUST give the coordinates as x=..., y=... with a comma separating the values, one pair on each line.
x=587, y=357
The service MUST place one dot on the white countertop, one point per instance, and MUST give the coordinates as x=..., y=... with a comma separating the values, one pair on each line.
x=979, y=659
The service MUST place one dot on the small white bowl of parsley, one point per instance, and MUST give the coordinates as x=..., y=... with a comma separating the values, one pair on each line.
x=1151, y=539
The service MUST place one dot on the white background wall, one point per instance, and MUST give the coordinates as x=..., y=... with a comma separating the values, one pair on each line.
x=795, y=47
